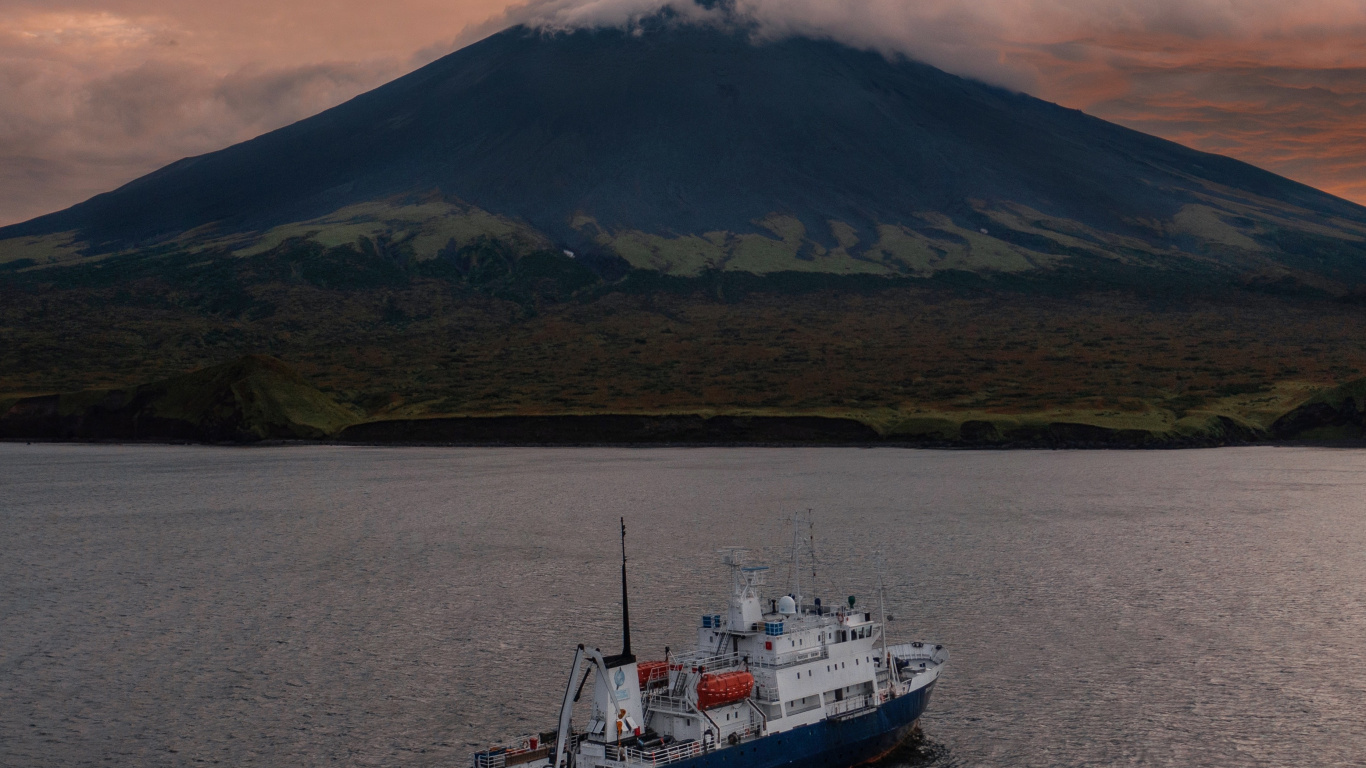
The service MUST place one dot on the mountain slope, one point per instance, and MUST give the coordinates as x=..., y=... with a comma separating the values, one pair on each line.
x=690, y=147
x=1010, y=272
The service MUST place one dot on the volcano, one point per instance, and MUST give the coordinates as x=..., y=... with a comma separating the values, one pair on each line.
x=682, y=148
x=677, y=222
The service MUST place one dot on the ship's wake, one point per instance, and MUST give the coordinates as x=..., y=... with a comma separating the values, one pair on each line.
x=918, y=752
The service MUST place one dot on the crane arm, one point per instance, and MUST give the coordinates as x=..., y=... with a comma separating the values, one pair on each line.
x=566, y=711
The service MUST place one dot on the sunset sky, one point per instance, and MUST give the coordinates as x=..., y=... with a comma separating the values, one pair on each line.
x=94, y=93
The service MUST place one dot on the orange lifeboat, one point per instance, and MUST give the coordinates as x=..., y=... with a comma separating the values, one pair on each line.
x=715, y=690
x=652, y=672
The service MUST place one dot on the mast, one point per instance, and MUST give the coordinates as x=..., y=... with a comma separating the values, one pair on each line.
x=802, y=540
x=882, y=609
x=625, y=603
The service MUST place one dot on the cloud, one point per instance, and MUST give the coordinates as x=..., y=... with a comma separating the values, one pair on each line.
x=580, y=14
x=76, y=136
x=95, y=94
x=1278, y=84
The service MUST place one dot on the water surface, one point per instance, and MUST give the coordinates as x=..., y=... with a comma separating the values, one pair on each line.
x=310, y=606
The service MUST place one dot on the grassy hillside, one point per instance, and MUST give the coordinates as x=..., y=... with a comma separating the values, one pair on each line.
x=245, y=400
x=486, y=329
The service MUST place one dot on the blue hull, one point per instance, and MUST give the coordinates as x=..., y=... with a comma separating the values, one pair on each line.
x=827, y=744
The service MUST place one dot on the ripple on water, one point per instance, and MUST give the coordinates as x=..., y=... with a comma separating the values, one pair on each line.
x=310, y=606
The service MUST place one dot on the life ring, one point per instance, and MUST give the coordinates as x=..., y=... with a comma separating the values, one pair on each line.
x=733, y=739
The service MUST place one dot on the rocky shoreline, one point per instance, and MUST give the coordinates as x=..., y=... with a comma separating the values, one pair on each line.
x=647, y=431
x=260, y=400
x=749, y=431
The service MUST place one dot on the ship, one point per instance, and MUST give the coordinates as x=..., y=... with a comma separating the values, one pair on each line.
x=779, y=684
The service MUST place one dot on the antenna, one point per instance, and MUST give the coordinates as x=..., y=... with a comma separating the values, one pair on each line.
x=802, y=543
x=625, y=603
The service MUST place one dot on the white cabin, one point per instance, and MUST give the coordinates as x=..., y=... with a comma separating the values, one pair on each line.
x=759, y=669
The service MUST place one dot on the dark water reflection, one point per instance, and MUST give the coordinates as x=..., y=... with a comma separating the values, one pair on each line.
x=324, y=606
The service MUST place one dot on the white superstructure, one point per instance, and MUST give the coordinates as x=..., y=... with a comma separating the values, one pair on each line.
x=764, y=667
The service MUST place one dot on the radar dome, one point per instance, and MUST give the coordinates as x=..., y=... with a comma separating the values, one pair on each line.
x=786, y=605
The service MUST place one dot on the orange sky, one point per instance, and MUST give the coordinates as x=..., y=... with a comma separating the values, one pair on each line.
x=94, y=93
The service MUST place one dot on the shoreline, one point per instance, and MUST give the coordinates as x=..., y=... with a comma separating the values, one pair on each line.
x=635, y=431
x=257, y=399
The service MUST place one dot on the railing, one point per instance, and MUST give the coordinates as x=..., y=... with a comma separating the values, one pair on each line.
x=766, y=693
x=523, y=752
x=685, y=670
x=503, y=757
x=836, y=708
x=667, y=702
x=652, y=757
x=750, y=731
x=656, y=675
x=709, y=662
x=930, y=653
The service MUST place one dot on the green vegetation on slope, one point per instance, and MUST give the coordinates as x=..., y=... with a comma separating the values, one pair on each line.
x=1230, y=234
x=252, y=398
x=1332, y=414
x=484, y=329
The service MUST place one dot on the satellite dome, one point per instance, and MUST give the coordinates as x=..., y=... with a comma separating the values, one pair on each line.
x=786, y=605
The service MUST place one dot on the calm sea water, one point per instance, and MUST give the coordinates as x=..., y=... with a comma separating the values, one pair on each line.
x=311, y=606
